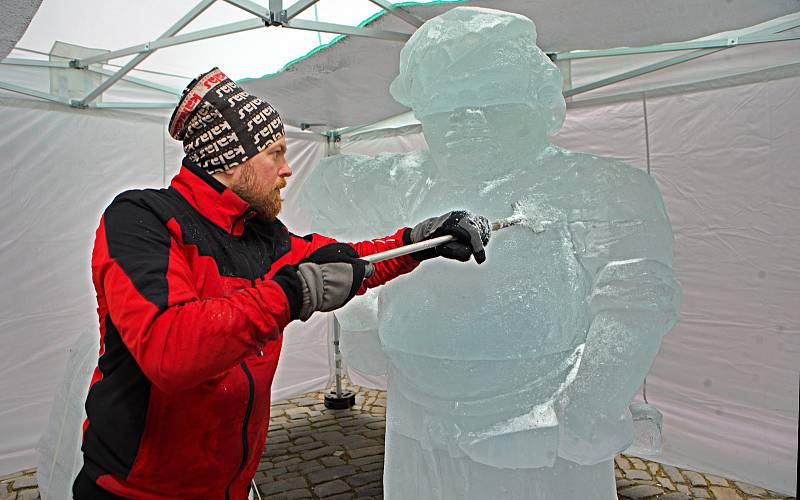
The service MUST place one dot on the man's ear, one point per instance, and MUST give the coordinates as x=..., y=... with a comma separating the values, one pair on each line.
x=227, y=177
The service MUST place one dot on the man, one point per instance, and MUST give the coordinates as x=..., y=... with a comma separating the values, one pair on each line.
x=195, y=284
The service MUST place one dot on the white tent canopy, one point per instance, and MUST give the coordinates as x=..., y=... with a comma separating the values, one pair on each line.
x=314, y=91
x=718, y=133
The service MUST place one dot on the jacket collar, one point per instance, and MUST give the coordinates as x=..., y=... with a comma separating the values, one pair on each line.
x=211, y=198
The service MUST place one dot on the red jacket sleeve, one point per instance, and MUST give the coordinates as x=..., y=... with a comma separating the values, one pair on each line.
x=145, y=285
x=384, y=271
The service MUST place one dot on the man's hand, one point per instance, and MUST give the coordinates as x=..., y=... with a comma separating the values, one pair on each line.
x=330, y=277
x=471, y=232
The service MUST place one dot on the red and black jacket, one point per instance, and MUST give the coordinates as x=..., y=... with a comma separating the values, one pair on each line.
x=192, y=307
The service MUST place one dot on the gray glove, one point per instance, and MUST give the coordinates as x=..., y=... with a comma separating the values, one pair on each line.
x=330, y=277
x=471, y=231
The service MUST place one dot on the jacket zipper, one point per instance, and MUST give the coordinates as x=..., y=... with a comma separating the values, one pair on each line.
x=245, y=448
x=247, y=213
x=251, y=385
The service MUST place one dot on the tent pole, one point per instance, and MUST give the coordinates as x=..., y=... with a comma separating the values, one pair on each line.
x=337, y=355
x=298, y=7
x=66, y=65
x=135, y=105
x=175, y=28
x=719, y=43
x=280, y=18
x=34, y=93
x=638, y=72
x=13, y=61
x=397, y=11
x=302, y=24
x=770, y=34
x=194, y=36
x=339, y=399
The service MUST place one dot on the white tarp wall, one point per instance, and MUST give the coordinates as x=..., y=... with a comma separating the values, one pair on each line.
x=725, y=159
x=60, y=168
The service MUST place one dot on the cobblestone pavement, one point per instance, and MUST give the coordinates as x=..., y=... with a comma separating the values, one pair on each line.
x=338, y=454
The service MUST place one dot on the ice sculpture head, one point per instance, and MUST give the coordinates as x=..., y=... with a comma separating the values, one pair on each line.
x=476, y=79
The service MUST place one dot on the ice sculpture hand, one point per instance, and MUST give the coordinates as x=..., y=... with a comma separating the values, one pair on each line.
x=330, y=277
x=471, y=232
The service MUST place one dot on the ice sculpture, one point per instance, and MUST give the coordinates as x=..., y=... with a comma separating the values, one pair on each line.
x=509, y=380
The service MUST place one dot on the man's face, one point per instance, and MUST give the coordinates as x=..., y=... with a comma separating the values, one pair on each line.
x=259, y=180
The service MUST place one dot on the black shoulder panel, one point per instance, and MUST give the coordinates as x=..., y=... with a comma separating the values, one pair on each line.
x=117, y=410
x=138, y=240
x=249, y=256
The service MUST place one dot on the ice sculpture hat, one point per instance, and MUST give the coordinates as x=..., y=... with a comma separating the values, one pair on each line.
x=472, y=56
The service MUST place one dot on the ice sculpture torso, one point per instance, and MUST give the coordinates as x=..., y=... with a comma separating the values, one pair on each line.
x=485, y=345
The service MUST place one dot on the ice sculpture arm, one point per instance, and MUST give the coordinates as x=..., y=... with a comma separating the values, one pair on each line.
x=634, y=302
x=353, y=197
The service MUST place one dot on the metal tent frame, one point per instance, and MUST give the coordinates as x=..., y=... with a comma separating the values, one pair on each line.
x=275, y=15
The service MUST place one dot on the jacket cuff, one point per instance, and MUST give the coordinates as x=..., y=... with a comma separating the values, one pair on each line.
x=422, y=254
x=407, y=237
x=292, y=287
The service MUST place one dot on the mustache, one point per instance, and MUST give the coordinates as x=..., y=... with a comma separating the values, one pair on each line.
x=281, y=183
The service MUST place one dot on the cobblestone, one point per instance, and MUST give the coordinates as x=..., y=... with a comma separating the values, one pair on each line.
x=694, y=478
x=331, y=461
x=283, y=485
x=637, y=474
x=721, y=493
x=24, y=482
x=32, y=494
x=366, y=478
x=331, y=488
x=751, y=490
x=716, y=480
x=665, y=482
x=640, y=491
x=292, y=495
x=363, y=452
x=314, y=453
x=332, y=473
x=674, y=474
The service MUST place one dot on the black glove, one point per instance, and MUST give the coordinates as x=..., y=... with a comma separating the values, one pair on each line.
x=330, y=277
x=471, y=232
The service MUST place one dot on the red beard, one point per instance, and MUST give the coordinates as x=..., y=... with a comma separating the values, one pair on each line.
x=267, y=204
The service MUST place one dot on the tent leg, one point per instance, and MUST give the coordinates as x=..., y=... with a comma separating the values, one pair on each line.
x=340, y=399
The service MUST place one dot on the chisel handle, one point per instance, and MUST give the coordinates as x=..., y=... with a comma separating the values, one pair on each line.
x=433, y=242
x=407, y=249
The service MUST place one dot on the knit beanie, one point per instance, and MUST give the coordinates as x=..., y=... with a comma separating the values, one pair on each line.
x=221, y=125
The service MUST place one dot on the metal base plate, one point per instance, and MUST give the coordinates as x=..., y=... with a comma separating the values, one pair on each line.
x=346, y=401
